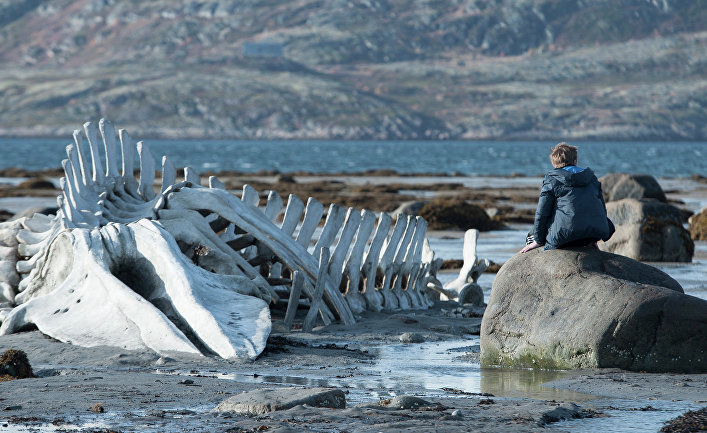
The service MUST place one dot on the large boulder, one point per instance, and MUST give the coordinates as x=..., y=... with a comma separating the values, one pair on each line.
x=648, y=230
x=585, y=308
x=617, y=186
x=454, y=213
x=698, y=225
x=260, y=401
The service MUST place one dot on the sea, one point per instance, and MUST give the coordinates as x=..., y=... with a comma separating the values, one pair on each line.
x=472, y=158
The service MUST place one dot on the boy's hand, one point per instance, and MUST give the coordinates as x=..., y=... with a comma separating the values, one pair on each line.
x=530, y=247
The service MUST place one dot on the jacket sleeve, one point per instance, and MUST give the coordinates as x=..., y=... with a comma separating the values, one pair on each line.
x=612, y=227
x=543, y=214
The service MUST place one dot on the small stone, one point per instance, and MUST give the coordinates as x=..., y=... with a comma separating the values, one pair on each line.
x=162, y=360
x=457, y=413
x=405, y=402
x=97, y=408
x=411, y=337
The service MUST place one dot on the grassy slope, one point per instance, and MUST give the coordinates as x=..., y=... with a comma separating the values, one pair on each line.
x=361, y=69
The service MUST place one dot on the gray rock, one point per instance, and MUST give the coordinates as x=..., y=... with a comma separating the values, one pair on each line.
x=563, y=412
x=617, y=186
x=262, y=401
x=410, y=208
x=698, y=225
x=163, y=360
x=584, y=308
x=406, y=402
x=648, y=230
x=471, y=294
x=411, y=337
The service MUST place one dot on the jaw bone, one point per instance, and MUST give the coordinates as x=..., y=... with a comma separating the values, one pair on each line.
x=105, y=271
x=130, y=286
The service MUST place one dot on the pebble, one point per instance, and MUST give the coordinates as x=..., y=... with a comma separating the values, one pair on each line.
x=411, y=337
x=162, y=360
x=97, y=408
x=406, y=402
x=457, y=413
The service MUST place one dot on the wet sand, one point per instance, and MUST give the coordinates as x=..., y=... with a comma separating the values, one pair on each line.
x=143, y=391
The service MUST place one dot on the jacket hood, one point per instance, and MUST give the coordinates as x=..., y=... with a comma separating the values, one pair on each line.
x=568, y=178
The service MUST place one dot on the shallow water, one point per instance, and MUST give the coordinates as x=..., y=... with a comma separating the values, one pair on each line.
x=433, y=369
x=628, y=416
x=438, y=370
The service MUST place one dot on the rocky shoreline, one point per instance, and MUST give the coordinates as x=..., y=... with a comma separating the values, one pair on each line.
x=432, y=355
x=141, y=391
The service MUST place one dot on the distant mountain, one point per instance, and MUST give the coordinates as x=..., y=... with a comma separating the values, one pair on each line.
x=382, y=69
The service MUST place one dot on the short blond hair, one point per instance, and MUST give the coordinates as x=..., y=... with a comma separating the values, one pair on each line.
x=563, y=155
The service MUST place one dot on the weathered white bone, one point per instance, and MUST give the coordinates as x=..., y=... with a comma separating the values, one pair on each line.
x=472, y=267
x=297, y=284
x=352, y=271
x=215, y=183
x=334, y=220
x=169, y=173
x=251, y=220
x=108, y=134
x=147, y=171
x=174, y=287
x=92, y=137
x=197, y=249
x=312, y=216
x=250, y=195
x=374, y=299
x=318, y=290
x=191, y=176
x=385, y=265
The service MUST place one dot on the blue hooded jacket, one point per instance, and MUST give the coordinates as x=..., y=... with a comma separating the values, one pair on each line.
x=571, y=208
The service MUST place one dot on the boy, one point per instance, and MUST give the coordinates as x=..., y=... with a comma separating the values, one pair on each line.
x=571, y=210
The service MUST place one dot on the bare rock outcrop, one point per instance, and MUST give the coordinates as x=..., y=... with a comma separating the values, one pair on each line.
x=584, y=308
x=617, y=186
x=698, y=225
x=648, y=230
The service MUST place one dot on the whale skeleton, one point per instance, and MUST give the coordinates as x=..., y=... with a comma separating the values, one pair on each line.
x=194, y=268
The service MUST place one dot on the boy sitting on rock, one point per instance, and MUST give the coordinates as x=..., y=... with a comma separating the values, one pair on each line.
x=571, y=210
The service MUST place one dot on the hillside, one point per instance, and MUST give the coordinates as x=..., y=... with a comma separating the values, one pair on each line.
x=382, y=69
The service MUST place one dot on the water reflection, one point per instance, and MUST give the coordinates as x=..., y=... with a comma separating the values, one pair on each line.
x=528, y=383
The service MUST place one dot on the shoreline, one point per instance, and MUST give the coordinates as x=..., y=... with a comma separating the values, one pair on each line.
x=143, y=391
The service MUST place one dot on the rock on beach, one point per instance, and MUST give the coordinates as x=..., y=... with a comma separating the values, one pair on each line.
x=262, y=401
x=648, y=230
x=584, y=308
x=618, y=186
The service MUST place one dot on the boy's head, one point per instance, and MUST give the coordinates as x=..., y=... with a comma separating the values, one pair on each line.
x=563, y=155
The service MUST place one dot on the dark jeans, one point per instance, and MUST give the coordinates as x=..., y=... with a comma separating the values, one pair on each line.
x=586, y=242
